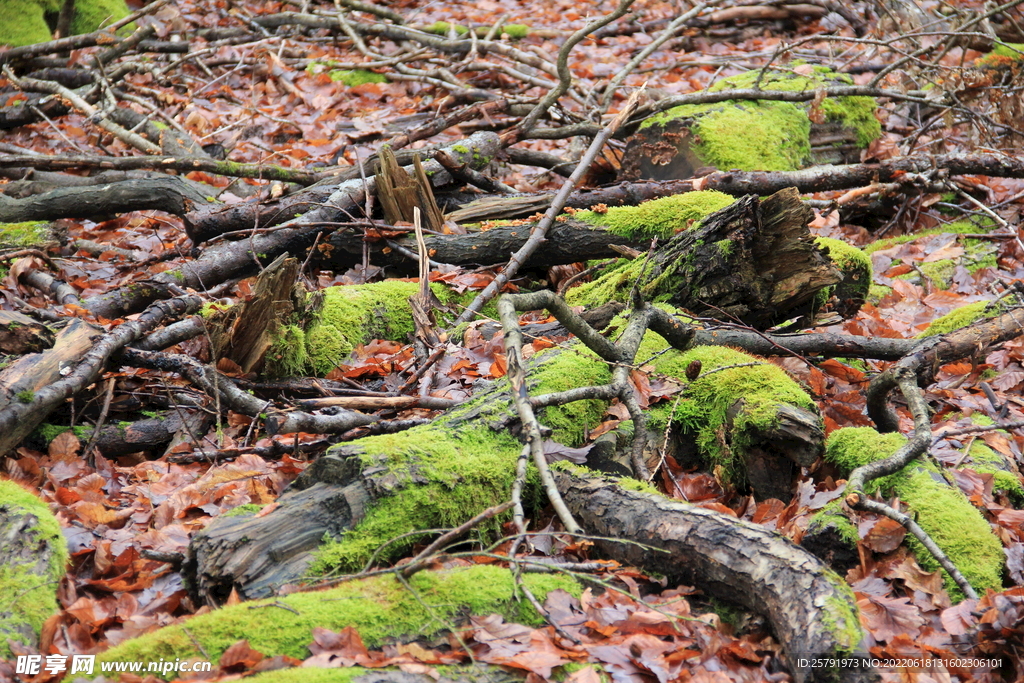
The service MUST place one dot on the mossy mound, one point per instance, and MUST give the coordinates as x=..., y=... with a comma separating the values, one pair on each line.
x=438, y=476
x=27, y=22
x=94, y=14
x=379, y=608
x=748, y=136
x=29, y=596
x=348, y=316
x=984, y=460
x=939, y=507
x=27, y=234
x=857, y=113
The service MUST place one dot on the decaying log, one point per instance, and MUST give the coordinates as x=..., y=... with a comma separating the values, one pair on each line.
x=731, y=559
x=259, y=554
x=170, y=194
x=149, y=434
x=21, y=379
x=243, y=333
x=20, y=334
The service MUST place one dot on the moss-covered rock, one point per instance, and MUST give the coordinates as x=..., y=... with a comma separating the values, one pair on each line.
x=27, y=234
x=939, y=507
x=29, y=591
x=379, y=608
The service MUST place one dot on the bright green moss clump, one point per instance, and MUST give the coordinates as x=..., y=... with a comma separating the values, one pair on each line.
x=357, y=77
x=27, y=234
x=855, y=266
x=960, y=317
x=659, y=218
x=379, y=608
x=857, y=113
x=767, y=135
x=94, y=14
x=29, y=597
x=444, y=474
x=940, y=508
x=703, y=410
x=23, y=22
x=748, y=135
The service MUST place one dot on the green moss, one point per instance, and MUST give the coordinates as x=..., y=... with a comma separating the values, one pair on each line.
x=27, y=234
x=25, y=396
x=287, y=356
x=840, y=615
x=379, y=608
x=91, y=15
x=442, y=28
x=942, y=510
x=660, y=218
x=748, y=135
x=984, y=460
x=461, y=149
x=246, y=510
x=1014, y=50
x=48, y=432
x=445, y=476
x=29, y=598
x=707, y=400
x=23, y=22
x=832, y=517
x=857, y=113
x=515, y=31
x=855, y=266
x=565, y=371
x=357, y=77
x=960, y=317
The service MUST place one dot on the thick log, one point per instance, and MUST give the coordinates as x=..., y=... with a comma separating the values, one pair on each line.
x=810, y=608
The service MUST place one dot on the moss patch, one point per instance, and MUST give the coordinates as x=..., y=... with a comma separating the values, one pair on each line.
x=706, y=401
x=659, y=218
x=857, y=113
x=94, y=14
x=29, y=597
x=380, y=608
x=357, y=77
x=960, y=317
x=27, y=234
x=941, y=509
x=441, y=477
x=23, y=22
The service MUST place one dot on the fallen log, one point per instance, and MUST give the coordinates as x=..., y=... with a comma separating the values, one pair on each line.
x=811, y=609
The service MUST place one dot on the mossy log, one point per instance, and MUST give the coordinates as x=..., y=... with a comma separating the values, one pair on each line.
x=33, y=554
x=380, y=609
x=753, y=135
x=939, y=506
x=752, y=261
